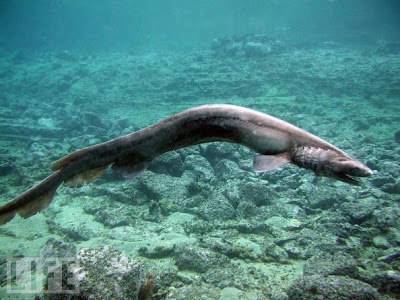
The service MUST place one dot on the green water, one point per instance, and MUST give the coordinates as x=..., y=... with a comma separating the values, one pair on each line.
x=199, y=220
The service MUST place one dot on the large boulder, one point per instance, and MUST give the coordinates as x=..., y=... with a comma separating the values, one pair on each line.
x=330, y=288
x=97, y=273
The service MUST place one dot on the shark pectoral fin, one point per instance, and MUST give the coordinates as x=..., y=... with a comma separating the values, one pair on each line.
x=84, y=177
x=265, y=163
x=129, y=169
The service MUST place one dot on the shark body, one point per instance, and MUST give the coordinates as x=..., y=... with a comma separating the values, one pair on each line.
x=277, y=142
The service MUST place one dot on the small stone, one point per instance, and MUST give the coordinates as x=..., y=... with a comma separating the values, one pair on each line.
x=381, y=242
x=46, y=122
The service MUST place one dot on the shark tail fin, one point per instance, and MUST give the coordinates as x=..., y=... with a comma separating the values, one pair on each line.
x=33, y=200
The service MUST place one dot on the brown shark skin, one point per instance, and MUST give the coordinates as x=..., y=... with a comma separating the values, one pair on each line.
x=260, y=132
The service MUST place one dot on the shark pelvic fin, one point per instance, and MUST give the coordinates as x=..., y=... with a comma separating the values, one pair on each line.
x=84, y=177
x=129, y=169
x=265, y=163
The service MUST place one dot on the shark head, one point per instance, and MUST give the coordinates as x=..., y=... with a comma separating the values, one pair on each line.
x=344, y=168
x=330, y=163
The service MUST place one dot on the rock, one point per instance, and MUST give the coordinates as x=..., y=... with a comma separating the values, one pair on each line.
x=92, y=120
x=393, y=235
x=257, y=49
x=199, y=166
x=197, y=290
x=392, y=188
x=241, y=278
x=76, y=232
x=216, y=207
x=112, y=218
x=331, y=264
x=101, y=273
x=293, y=251
x=257, y=192
x=330, y=288
x=46, y=122
x=271, y=250
x=231, y=293
x=4, y=257
x=380, y=181
x=63, y=86
x=390, y=255
x=226, y=169
x=38, y=149
x=56, y=248
x=360, y=211
x=381, y=242
x=246, y=210
x=6, y=167
x=324, y=199
x=388, y=47
x=386, y=217
x=157, y=251
x=397, y=136
x=158, y=186
x=380, y=274
x=67, y=56
x=231, y=190
x=170, y=163
x=253, y=46
x=215, y=152
x=387, y=282
x=198, y=259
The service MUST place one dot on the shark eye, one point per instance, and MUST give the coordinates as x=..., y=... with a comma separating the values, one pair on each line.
x=356, y=170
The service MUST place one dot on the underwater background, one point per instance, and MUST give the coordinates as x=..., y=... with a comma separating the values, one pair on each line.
x=199, y=224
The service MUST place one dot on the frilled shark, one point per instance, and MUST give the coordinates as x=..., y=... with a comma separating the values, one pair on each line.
x=277, y=143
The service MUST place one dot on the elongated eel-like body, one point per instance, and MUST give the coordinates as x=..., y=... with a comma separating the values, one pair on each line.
x=278, y=142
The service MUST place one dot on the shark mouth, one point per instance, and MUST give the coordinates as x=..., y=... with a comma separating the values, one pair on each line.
x=346, y=178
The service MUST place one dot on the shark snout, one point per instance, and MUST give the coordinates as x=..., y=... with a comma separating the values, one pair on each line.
x=369, y=172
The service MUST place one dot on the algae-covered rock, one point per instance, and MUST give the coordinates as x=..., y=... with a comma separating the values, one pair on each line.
x=331, y=264
x=170, y=163
x=101, y=273
x=381, y=242
x=330, y=288
x=231, y=293
x=246, y=210
x=257, y=192
x=387, y=282
x=216, y=207
x=199, y=166
x=75, y=232
x=57, y=248
x=226, y=169
x=386, y=217
x=198, y=259
x=359, y=211
x=397, y=136
x=158, y=186
x=195, y=290
x=273, y=252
